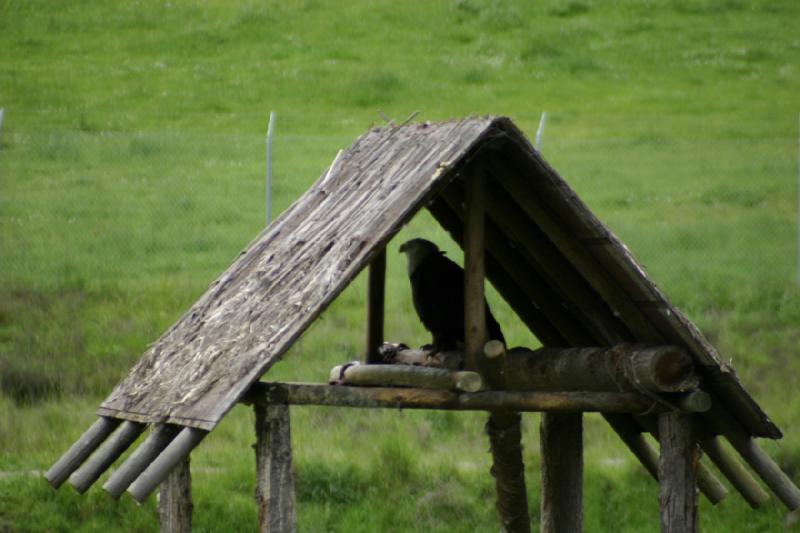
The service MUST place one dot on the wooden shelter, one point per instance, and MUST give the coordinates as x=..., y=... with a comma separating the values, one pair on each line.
x=565, y=274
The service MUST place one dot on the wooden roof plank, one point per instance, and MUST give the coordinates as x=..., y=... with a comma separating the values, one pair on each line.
x=256, y=309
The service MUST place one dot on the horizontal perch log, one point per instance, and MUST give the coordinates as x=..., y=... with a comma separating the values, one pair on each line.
x=649, y=369
x=407, y=398
x=406, y=376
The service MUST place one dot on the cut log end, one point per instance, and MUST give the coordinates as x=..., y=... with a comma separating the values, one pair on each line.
x=494, y=349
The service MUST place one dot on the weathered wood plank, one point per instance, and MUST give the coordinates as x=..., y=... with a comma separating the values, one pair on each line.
x=175, y=500
x=275, y=494
x=677, y=473
x=562, y=472
x=407, y=398
x=615, y=258
x=256, y=309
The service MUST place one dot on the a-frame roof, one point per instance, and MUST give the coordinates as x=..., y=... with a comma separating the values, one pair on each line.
x=567, y=276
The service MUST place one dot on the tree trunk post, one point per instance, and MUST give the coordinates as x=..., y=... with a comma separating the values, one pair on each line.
x=274, y=476
x=677, y=473
x=562, y=472
x=175, y=500
x=376, y=284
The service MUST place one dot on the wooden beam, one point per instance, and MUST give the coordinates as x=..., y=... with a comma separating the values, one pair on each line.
x=537, y=321
x=474, y=298
x=707, y=482
x=562, y=472
x=175, y=500
x=376, y=285
x=573, y=249
x=625, y=367
x=275, y=494
x=177, y=450
x=83, y=448
x=555, y=268
x=736, y=473
x=531, y=285
x=721, y=421
x=677, y=473
x=407, y=376
x=112, y=448
x=265, y=392
x=141, y=457
x=505, y=436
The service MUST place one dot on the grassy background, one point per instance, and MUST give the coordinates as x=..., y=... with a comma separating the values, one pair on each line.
x=131, y=172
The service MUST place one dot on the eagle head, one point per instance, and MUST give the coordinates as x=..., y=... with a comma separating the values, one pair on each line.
x=417, y=250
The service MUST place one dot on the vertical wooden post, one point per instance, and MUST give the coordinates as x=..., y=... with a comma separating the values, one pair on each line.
x=677, y=473
x=503, y=427
x=274, y=477
x=562, y=472
x=474, y=307
x=175, y=500
x=376, y=284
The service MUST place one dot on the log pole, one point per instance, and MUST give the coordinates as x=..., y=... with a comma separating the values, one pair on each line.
x=112, y=448
x=376, y=289
x=474, y=298
x=762, y=464
x=503, y=426
x=407, y=376
x=736, y=473
x=264, y=392
x=175, y=500
x=141, y=457
x=274, y=477
x=78, y=452
x=677, y=473
x=562, y=472
x=177, y=451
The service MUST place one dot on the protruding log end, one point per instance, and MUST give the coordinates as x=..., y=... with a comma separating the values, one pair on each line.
x=695, y=402
x=467, y=381
x=494, y=349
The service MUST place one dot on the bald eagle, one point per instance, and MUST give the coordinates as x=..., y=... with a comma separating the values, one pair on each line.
x=437, y=287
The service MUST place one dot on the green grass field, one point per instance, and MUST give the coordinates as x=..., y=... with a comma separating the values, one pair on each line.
x=132, y=170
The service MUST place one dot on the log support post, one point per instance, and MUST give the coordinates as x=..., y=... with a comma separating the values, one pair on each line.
x=503, y=427
x=175, y=500
x=677, y=473
x=562, y=472
x=376, y=284
x=274, y=478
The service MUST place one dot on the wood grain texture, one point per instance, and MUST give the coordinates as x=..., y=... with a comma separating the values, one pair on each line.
x=677, y=473
x=281, y=283
x=254, y=311
x=562, y=472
